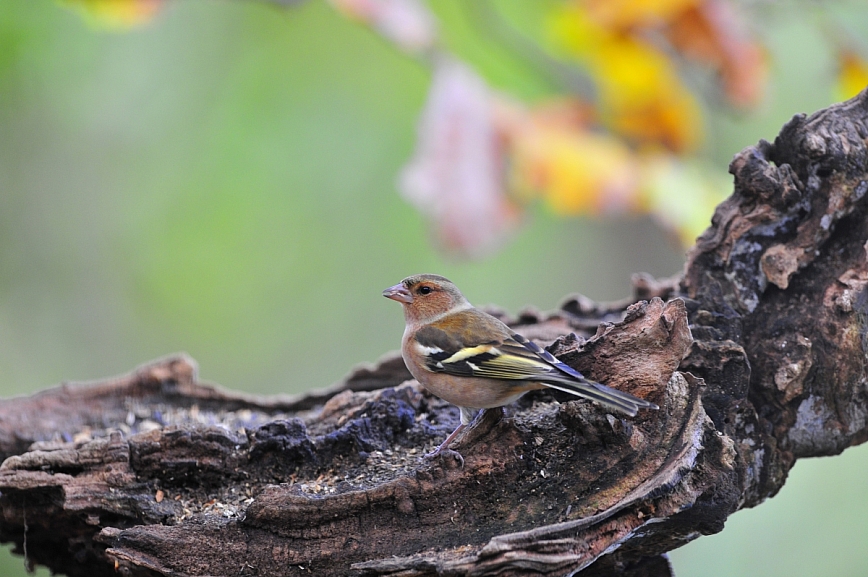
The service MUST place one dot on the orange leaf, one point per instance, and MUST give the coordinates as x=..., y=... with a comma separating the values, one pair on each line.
x=711, y=34
x=625, y=14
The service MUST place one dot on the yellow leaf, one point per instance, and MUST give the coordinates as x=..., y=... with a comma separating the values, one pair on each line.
x=852, y=74
x=576, y=170
x=641, y=96
x=115, y=14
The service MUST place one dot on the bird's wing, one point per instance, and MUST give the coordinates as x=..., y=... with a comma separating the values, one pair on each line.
x=489, y=349
x=473, y=343
x=494, y=360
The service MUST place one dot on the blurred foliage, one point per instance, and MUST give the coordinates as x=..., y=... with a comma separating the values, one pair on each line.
x=222, y=178
x=618, y=121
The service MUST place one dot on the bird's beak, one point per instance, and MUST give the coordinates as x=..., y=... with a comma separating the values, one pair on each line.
x=398, y=293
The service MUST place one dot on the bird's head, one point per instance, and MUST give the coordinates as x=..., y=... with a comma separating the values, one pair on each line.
x=426, y=297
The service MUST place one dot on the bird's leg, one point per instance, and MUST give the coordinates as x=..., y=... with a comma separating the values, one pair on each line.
x=467, y=418
x=445, y=443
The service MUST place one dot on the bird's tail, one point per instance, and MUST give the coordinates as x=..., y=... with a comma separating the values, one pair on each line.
x=565, y=378
x=607, y=396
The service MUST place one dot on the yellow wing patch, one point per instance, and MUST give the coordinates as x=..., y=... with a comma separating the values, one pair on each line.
x=506, y=366
x=469, y=352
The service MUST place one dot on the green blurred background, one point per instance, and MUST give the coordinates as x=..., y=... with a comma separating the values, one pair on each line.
x=222, y=182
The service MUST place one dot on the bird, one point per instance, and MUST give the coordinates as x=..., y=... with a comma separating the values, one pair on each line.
x=473, y=360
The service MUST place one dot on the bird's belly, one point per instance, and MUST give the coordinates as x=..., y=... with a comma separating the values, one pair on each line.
x=476, y=393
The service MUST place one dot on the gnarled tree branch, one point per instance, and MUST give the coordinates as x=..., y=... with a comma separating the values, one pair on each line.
x=756, y=356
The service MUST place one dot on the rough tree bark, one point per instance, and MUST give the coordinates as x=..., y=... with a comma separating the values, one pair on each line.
x=756, y=356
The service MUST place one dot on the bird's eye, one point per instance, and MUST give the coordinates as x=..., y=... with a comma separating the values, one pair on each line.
x=425, y=290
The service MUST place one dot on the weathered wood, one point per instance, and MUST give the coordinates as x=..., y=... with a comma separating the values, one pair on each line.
x=756, y=357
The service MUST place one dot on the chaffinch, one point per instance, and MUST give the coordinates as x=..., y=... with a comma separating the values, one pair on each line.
x=473, y=360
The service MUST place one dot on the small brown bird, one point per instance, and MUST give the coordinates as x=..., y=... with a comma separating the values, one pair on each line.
x=473, y=360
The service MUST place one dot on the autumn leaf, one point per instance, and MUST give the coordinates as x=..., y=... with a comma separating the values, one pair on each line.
x=558, y=156
x=117, y=15
x=852, y=74
x=622, y=15
x=641, y=96
x=711, y=34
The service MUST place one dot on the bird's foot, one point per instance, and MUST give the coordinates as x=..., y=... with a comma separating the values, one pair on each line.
x=444, y=452
x=495, y=414
x=443, y=447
